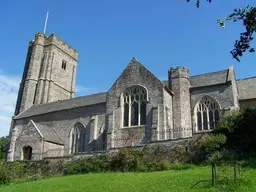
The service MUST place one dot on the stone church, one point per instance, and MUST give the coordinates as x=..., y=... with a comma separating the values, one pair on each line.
x=138, y=109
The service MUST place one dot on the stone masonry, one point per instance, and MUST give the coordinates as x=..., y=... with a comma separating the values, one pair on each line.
x=52, y=123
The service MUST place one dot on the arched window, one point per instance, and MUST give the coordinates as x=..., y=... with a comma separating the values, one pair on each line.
x=78, y=138
x=206, y=114
x=134, y=106
x=27, y=153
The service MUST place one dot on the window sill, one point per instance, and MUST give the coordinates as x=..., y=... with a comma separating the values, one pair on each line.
x=203, y=131
x=133, y=127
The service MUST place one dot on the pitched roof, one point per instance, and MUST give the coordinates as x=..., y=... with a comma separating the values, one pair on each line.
x=207, y=79
x=246, y=88
x=63, y=105
x=48, y=133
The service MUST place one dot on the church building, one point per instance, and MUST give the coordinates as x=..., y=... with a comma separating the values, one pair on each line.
x=137, y=109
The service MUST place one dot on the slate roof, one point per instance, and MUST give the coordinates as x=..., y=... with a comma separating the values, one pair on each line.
x=246, y=88
x=207, y=79
x=63, y=105
x=48, y=133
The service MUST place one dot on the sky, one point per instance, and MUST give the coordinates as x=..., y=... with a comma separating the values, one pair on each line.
x=109, y=33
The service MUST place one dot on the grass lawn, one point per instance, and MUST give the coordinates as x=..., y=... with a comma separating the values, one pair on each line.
x=172, y=180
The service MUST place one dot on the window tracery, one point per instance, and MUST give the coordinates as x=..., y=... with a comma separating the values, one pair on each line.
x=134, y=106
x=78, y=138
x=207, y=114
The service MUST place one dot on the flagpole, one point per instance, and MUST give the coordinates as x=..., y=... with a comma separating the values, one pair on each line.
x=45, y=24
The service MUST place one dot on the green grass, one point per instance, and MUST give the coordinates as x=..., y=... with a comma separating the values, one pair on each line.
x=173, y=180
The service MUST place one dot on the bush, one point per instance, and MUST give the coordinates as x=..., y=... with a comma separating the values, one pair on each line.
x=212, y=146
x=4, y=176
x=86, y=165
x=153, y=158
x=164, y=164
x=240, y=130
x=179, y=154
x=126, y=160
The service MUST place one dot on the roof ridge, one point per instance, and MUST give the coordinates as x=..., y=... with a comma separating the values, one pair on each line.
x=246, y=78
x=49, y=103
x=209, y=73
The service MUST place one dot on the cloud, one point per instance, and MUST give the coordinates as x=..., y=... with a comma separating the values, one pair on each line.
x=9, y=86
x=81, y=90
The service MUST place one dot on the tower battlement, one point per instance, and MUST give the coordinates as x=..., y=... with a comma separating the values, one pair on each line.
x=49, y=73
x=178, y=72
x=52, y=39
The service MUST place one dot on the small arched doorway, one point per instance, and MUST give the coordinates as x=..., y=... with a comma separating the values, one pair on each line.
x=27, y=153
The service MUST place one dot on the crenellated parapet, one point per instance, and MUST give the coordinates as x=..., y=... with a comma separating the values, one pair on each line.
x=178, y=72
x=62, y=45
x=52, y=39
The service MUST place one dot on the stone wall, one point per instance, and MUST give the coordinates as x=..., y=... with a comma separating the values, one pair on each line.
x=222, y=93
x=249, y=103
x=52, y=150
x=63, y=122
x=179, y=83
x=134, y=74
x=29, y=136
x=42, y=68
x=168, y=116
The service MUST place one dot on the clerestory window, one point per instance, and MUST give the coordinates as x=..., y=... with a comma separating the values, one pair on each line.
x=134, y=106
x=207, y=114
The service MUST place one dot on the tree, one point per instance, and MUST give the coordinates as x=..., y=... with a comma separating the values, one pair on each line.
x=3, y=146
x=247, y=16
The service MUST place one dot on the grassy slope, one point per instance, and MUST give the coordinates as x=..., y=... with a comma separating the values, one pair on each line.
x=132, y=182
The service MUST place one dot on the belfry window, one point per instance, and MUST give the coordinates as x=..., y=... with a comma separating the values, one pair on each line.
x=206, y=114
x=64, y=64
x=78, y=138
x=134, y=106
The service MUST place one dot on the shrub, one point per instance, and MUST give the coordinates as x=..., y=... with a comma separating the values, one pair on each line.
x=211, y=142
x=126, y=160
x=4, y=176
x=211, y=146
x=240, y=130
x=164, y=164
x=179, y=154
x=86, y=165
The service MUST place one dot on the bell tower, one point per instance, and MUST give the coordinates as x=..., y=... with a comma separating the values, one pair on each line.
x=49, y=73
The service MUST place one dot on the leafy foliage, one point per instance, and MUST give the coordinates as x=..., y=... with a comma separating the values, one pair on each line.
x=198, y=2
x=3, y=146
x=28, y=170
x=212, y=146
x=240, y=130
x=247, y=16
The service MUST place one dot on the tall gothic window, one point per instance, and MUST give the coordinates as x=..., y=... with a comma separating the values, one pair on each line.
x=78, y=138
x=207, y=114
x=134, y=106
